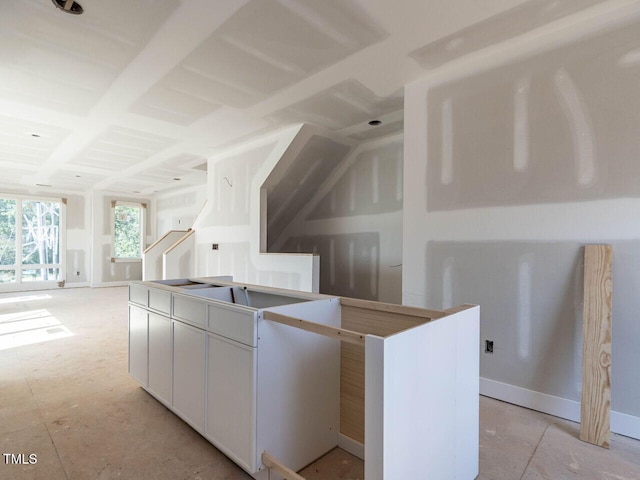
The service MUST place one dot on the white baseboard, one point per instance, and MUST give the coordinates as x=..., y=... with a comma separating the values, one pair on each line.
x=350, y=445
x=76, y=285
x=621, y=423
x=123, y=283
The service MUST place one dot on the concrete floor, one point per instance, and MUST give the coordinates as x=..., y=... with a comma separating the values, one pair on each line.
x=71, y=402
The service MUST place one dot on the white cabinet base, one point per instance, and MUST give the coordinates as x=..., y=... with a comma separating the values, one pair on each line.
x=231, y=399
x=160, y=357
x=138, y=348
x=189, y=345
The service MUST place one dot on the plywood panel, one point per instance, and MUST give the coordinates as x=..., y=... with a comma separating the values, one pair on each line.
x=596, y=352
x=380, y=322
x=352, y=391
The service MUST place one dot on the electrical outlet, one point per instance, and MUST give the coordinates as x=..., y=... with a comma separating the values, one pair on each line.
x=488, y=346
x=214, y=246
x=77, y=274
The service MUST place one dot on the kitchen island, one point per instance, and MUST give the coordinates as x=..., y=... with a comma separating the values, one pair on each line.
x=276, y=378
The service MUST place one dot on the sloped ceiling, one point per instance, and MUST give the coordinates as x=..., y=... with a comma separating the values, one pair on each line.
x=134, y=95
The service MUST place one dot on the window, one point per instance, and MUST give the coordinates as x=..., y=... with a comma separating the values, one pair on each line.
x=128, y=231
x=31, y=235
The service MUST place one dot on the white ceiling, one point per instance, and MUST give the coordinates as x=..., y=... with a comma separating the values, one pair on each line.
x=134, y=95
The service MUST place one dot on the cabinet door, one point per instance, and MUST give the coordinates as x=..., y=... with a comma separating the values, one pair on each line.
x=138, y=328
x=188, y=373
x=160, y=358
x=231, y=399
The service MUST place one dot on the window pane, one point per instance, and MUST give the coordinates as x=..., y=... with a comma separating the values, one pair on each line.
x=40, y=274
x=7, y=232
x=40, y=232
x=127, y=230
x=7, y=276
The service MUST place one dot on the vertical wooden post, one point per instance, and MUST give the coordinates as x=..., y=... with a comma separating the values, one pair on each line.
x=596, y=350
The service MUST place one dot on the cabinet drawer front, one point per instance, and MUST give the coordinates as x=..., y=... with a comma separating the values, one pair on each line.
x=189, y=309
x=234, y=324
x=138, y=294
x=160, y=301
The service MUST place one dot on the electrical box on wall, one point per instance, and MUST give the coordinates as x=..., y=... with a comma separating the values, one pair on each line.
x=214, y=246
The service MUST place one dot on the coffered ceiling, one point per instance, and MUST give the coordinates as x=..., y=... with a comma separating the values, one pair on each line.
x=133, y=96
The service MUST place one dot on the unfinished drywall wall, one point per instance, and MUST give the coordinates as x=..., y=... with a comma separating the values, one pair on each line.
x=78, y=258
x=178, y=209
x=104, y=271
x=292, y=184
x=515, y=158
x=228, y=235
x=536, y=321
x=354, y=222
x=550, y=129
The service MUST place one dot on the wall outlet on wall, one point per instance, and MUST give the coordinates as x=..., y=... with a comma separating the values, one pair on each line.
x=77, y=274
x=488, y=346
x=214, y=246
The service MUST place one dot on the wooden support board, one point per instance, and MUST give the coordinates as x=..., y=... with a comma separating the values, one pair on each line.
x=278, y=467
x=337, y=333
x=596, y=350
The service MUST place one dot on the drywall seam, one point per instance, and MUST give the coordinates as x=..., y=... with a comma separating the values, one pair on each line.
x=446, y=170
x=521, y=124
x=582, y=133
x=621, y=423
x=356, y=224
x=591, y=221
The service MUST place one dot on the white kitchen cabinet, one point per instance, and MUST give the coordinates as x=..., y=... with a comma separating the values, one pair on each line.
x=159, y=301
x=231, y=399
x=259, y=371
x=160, y=357
x=189, y=344
x=138, y=346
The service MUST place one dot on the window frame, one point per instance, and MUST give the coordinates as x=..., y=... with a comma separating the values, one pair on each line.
x=143, y=219
x=18, y=267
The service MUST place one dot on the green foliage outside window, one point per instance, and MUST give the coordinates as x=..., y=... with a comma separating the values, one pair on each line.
x=40, y=232
x=127, y=231
x=36, y=224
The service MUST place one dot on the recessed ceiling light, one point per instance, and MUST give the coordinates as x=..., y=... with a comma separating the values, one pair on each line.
x=69, y=6
x=176, y=178
x=375, y=123
x=77, y=176
x=35, y=135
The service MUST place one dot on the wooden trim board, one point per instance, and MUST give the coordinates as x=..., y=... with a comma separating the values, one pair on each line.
x=337, y=333
x=392, y=308
x=595, y=408
x=278, y=467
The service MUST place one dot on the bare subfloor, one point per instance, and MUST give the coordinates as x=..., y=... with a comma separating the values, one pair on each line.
x=70, y=402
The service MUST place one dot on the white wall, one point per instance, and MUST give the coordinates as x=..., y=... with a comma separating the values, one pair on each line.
x=232, y=218
x=78, y=239
x=178, y=209
x=105, y=272
x=515, y=157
